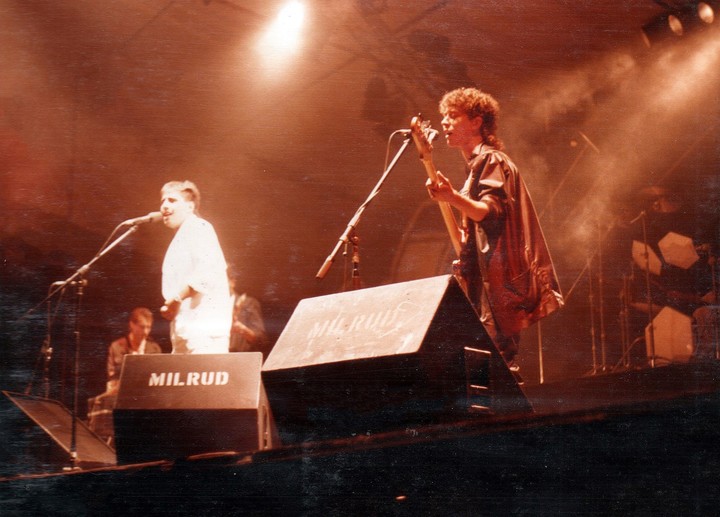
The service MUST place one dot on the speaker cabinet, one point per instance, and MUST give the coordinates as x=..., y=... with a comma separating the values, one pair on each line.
x=56, y=421
x=171, y=406
x=382, y=358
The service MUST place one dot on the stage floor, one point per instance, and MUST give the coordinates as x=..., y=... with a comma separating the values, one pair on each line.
x=639, y=442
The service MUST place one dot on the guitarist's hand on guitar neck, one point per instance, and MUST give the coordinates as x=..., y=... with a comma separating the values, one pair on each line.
x=441, y=189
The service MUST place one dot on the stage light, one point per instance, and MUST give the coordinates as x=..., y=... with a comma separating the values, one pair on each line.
x=678, y=22
x=284, y=34
x=691, y=17
x=655, y=30
x=675, y=24
x=291, y=17
x=705, y=12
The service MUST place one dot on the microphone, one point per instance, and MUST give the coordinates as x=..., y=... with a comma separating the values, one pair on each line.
x=642, y=214
x=430, y=132
x=152, y=217
x=82, y=283
x=594, y=147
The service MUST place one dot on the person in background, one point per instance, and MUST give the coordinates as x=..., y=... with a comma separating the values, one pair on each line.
x=247, y=333
x=683, y=242
x=194, y=275
x=136, y=341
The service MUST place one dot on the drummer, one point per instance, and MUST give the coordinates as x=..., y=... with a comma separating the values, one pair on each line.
x=680, y=261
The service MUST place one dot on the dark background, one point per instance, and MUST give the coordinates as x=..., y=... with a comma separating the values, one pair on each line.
x=103, y=102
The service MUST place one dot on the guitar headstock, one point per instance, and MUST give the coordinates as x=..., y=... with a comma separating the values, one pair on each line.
x=423, y=135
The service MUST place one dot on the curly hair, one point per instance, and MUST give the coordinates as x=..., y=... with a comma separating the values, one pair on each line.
x=188, y=189
x=475, y=103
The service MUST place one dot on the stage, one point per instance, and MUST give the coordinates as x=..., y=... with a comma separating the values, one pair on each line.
x=378, y=391
x=639, y=442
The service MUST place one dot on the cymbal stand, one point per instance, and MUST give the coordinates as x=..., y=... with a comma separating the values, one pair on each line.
x=550, y=206
x=648, y=292
x=601, y=301
x=591, y=301
x=627, y=345
x=625, y=322
x=648, y=297
x=601, y=304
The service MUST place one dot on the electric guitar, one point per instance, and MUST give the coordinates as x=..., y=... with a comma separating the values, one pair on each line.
x=422, y=135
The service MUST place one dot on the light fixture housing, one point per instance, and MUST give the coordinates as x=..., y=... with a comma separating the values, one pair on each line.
x=656, y=30
x=678, y=22
x=705, y=12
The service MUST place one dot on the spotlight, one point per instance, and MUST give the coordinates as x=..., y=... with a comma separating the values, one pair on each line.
x=655, y=30
x=675, y=24
x=691, y=17
x=284, y=35
x=685, y=19
x=678, y=22
x=705, y=12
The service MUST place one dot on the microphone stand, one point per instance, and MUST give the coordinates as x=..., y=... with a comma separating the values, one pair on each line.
x=349, y=234
x=77, y=279
x=356, y=283
x=648, y=292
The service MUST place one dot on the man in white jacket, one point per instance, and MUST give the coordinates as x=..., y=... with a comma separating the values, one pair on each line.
x=194, y=276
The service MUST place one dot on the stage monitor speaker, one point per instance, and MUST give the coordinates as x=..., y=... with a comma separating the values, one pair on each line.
x=173, y=406
x=382, y=358
x=56, y=420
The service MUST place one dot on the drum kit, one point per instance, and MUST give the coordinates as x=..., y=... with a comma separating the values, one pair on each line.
x=671, y=284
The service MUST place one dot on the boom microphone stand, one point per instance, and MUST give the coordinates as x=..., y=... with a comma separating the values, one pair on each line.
x=349, y=236
x=78, y=280
x=80, y=283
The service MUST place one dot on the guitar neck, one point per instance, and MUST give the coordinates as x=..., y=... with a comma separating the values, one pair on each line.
x=422, y=137
x=445, y=209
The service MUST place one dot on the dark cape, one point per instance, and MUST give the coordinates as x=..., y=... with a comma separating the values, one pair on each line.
x=506, y=264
